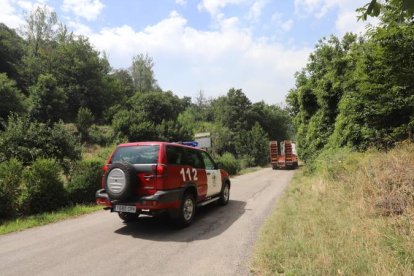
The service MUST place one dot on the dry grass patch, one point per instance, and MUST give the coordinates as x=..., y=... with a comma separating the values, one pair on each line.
x=353, y=215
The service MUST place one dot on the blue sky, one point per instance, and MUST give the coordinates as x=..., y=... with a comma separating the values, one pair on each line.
x=208, y=45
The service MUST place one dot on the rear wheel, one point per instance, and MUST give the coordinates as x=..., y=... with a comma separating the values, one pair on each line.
x=128, y=217
x=186, y=213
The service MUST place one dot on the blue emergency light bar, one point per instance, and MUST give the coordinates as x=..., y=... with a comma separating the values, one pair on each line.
x=190, y=143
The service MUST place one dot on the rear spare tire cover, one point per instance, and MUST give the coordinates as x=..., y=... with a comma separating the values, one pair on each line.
x=120, y=181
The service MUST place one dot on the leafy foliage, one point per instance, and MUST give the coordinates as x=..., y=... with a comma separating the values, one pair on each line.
x=398, y=9
x=85, y=181
x=10, y=181
x=84, y=121
x=47, y=100
x=12, y=49
x=143, y=74
x=229, y=163
x=42, y=188
x=356, y=92
x=12, y=100
x=27, y=141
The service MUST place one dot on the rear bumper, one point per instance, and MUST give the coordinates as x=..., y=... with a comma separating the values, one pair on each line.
x=167, y=199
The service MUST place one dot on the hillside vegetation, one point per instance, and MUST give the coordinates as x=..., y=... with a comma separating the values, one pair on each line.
x=352, y=215
x=357, y=92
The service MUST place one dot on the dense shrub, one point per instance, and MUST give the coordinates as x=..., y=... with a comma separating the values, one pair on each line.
x=12, y=100
x=255, y=144
x=42, y=187
x=84, y=121
x=10, y=179
x=101, y=135
x=229, y=162
x=28, y=140
x=85, y=181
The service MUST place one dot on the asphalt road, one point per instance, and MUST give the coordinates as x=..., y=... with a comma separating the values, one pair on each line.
x=219, y=241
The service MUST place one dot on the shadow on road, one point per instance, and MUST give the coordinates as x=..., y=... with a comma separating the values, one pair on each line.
x=210, y=221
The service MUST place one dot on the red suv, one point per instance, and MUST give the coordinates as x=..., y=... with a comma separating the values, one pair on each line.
x=153, y=177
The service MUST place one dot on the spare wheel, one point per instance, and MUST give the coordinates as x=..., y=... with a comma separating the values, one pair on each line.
x=120, y=181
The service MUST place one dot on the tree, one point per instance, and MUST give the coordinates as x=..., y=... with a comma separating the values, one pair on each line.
x=157, y=106
x=397, y=9
x=82, y=73
x=12, y=100
x=84, y=121
x=274, y=120
x=12, y=48
x=381, y=110
x=149, y=116
x=41, y=29
x=27, y=141
x=41, y=32
x=231, y=110
x=126, y=81
x=143, y=74
x=319, y=89
x=134, y=126
x=253, y=145
x=48, y=100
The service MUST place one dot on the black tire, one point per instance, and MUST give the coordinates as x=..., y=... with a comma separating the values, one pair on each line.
x=225, y=194
x=130, y=181
x=185, y=215
x=128, y=217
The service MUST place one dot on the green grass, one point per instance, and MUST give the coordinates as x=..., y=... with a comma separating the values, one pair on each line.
x=22, y=223
x=329, y=222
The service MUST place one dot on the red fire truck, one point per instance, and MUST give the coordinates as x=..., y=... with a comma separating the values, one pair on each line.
x=283, y=156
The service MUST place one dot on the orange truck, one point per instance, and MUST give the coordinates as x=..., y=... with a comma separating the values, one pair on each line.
x=283, y=154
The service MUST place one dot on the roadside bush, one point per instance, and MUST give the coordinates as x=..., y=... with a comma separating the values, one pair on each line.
x=246, y=161
x=10, y=180
x=85, y=181
x=101, y=135
x=84, y=121
x=28, y=140
x=229, y=162
x=42, y=188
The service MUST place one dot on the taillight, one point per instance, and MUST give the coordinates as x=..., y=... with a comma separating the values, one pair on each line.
x=161, y=170
x=104, y=168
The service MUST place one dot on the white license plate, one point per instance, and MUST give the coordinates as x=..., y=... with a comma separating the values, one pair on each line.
x=125, y=208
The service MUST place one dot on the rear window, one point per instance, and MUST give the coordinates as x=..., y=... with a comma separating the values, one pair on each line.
x=136, y=154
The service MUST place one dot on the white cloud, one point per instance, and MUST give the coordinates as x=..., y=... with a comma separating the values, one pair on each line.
x=188, y=59
x=214, y=6
x=12, y=13
x=282, y=25
x=346, y=18
x=256, y=9
x=79, y=28
x=9, y=15
x=88, y=9
x=318, y=8
x=181, y=2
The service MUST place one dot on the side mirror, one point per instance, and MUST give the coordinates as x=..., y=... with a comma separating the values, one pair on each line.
x=219, y=166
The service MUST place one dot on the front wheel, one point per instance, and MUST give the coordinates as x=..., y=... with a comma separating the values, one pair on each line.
x=225, y=194
x=128, y=217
